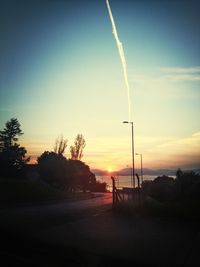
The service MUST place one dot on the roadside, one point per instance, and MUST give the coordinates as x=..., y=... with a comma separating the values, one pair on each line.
x=105, y=239
x=89, y=233
x=14, y=193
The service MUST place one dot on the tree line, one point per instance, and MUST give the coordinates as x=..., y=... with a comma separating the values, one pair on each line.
x=54, y=168
x=185, y=186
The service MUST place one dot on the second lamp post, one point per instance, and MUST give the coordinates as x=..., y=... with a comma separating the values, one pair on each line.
x=133, y=172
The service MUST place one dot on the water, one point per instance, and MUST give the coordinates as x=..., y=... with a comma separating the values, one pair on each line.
x=123, y=181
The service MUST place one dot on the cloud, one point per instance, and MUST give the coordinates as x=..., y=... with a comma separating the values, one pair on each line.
x=173, y=152
x=166, y=74
x=181, y=74
x=187, y=144
x=180, y=70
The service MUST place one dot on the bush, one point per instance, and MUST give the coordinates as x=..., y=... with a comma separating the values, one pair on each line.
x=189, y=185
x=162, y=188
x=99, y=187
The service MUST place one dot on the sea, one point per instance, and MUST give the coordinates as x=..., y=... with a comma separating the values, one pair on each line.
x=123, y=181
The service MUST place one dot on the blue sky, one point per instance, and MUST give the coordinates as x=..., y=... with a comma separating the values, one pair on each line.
x=60, y=73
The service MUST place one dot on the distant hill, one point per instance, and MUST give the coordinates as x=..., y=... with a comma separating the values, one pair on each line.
x=146, y=171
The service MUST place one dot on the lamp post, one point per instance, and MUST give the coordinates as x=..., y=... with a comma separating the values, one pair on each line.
x=141, y=165
x=133, y=171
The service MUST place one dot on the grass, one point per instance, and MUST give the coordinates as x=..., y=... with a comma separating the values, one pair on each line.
x=25, y=191
x=187, y=210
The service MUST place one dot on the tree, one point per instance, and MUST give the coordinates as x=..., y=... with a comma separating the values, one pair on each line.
x=60, y=145
x=12, y=161
x=12, y=155
x=77, y=149
x=162, y=188
x=9, y=134
x=97, y=186
x=53, y=169
x=69, y=174
x=188, y=183
x=84, y=178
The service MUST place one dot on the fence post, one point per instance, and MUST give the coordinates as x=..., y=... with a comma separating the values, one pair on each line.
x=113, y=189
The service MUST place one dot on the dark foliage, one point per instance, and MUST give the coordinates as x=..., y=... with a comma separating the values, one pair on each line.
x=71, y=175
x=53, y=169
x=9, y=134
x=12, y=155
x=77, y=149
x=164, y=188
x=99, y=187
x=82, y=176
x=188, y=184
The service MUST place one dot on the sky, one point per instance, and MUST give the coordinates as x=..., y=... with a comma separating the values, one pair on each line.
x=61, y=74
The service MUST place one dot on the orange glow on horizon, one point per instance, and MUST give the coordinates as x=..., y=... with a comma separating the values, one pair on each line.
x=109, y=169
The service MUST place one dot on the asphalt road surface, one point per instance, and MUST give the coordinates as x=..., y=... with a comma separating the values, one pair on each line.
x=88, y=233
x=26, y=230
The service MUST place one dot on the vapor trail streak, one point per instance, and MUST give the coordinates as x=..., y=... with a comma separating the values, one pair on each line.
x=122, y=56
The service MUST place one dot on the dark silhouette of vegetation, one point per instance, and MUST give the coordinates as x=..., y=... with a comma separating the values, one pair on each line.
x=188, y=184
x=12, y=155
x=60, y=145
x=99, y=187
x=8, y=136
x=53, y=169
x=67, y=174
x=161, y=188
x=164, y=188
x=77, y=149
x=84, y=179
x=166, y=198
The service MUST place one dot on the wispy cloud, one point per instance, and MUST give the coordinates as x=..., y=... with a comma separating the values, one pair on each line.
x=166, y=74
x=174, y=152
x=188, y=145
x=181, y=74
x=180, y=70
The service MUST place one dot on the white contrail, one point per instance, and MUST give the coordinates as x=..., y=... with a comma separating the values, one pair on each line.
x=122, y=56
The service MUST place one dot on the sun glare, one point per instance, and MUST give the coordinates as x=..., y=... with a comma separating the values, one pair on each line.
x=110, y=169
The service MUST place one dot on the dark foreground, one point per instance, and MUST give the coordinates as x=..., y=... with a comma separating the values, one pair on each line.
x=88, y=233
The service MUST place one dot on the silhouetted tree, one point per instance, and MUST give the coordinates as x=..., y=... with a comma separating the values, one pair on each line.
x=12, y=161
x=162, y=188
x=60, y=145
x=98, y=187
x=69, y=174
x=82, y=177
x=77, y=149
x=146, y=187
x=12, y=156
x=189, y=184
x=9, y=134
x=53, y=169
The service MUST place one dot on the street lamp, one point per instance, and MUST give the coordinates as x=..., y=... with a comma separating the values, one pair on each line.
x=133, y=172
x=141, y=165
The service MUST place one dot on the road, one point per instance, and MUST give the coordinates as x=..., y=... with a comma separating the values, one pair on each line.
x=88, y=233
x=25, y=228
x=34, y=217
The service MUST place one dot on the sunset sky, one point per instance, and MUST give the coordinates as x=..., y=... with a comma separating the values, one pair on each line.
x=61, y=74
